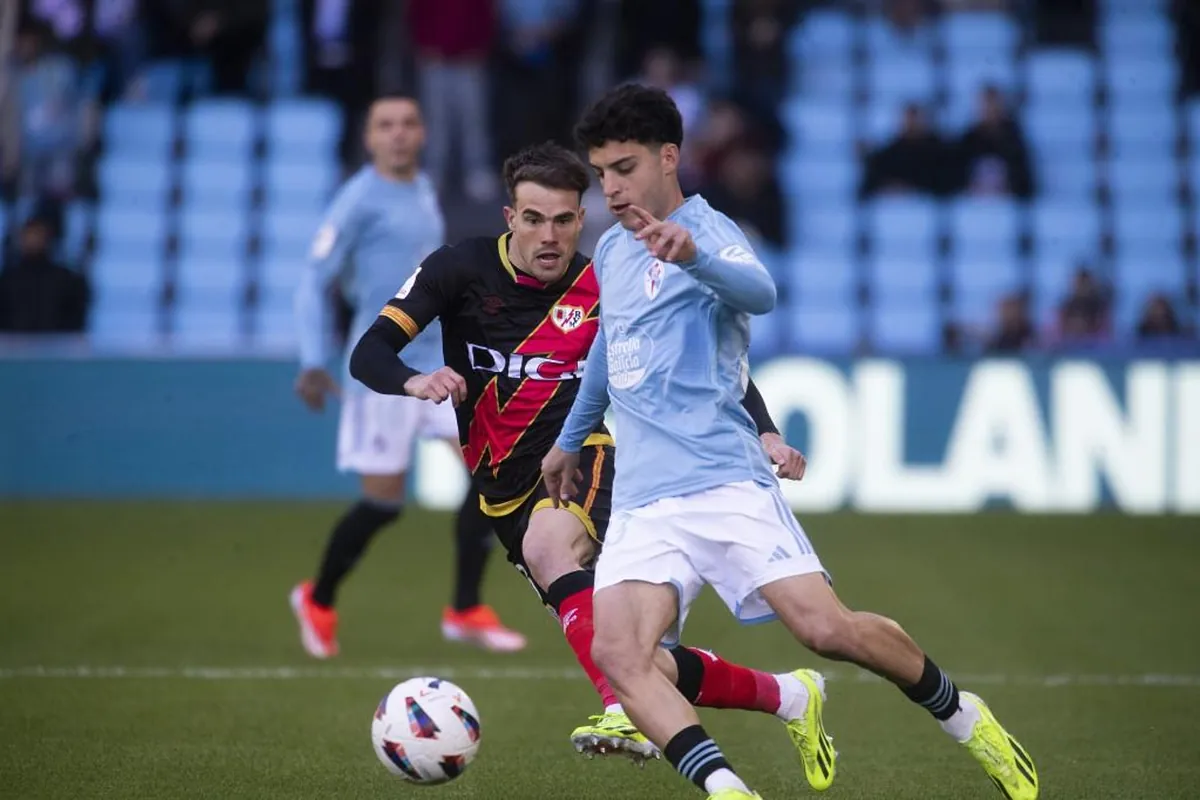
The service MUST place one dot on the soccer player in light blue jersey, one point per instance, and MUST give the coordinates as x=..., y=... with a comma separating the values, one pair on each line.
x=380, y=226
x=695, y=500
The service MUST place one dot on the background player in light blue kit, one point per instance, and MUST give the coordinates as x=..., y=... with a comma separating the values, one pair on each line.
x=381, y=225
x=695, y=501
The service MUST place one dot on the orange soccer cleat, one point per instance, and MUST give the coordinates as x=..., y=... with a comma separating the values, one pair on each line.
x=318, y=624
x=481, y=626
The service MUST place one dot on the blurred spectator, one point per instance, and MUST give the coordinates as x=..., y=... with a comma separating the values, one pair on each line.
x=537, y=71
x=747, y=190
x=228, y=34
x=1015, y=330
x=453, y=39
x=674, y=24
x=50, y=112
x=664, y=69
x=1066, y=22
x=760, y=60
x=37, y=294
x=908, y=17
x=914, y=162
x=1085, y=314
x=108, y=38
x=994, y=158
x=722, y=125
x=1186, y=14
x=1159, y=321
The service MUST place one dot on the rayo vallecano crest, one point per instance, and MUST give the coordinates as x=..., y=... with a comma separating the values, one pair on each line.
x=567, y=318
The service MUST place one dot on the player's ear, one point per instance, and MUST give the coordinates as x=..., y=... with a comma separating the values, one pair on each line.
x=510, y=217
x=668, y=155
x=582, y=214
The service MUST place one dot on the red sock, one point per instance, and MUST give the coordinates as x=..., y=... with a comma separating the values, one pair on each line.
x=729, y=685
x=575, y=613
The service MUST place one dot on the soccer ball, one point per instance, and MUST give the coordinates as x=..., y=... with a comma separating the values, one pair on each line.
x=426, y=730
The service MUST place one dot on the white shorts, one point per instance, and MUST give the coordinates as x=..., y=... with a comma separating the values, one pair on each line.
x=737, y=538
x=377, y=432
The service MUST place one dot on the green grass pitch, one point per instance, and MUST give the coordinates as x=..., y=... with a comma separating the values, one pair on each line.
x=1082, y=633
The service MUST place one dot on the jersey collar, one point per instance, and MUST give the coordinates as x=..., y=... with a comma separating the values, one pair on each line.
x=518, y=277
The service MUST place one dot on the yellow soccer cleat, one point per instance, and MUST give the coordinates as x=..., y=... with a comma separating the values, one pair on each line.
x=807, y=730
x=1004, y=760
x=613, y=733
x=734, y=794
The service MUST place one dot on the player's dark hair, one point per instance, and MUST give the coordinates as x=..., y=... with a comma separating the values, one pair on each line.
x=549, y=165
x=631, y=113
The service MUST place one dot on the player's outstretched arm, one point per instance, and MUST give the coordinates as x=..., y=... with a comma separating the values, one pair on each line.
x=721, y=259
x=592, y=400
x=375, y=364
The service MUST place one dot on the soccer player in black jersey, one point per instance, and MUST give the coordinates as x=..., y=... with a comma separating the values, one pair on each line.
x=518, y=317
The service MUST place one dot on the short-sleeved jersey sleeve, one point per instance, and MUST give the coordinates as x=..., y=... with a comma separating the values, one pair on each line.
x=432, y=291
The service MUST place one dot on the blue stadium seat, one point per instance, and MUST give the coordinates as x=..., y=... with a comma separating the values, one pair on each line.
x=279, y=275
x=832, y=326
x=906, y=328
x=122, y=324
x=217, y=185
x=1147, y=229
x=821, y=271
x=985, y=280
x=77, y=223
x=765, y=335
x=130, y=234
x=902, y=77
x=1059, y=78
x=301, y=185
x=1065, y=231
x=903, y=228
x=1125, y=37
x=206, y=326
x=213, y=234
x=1152, y=180
x=818, y=178
x=1144, y=132
x=288, y=235
x=302, y=129
x=1142, y=84
x=139, y=131
x=1052, y=276
x=226, y=277
x=971, y=72
x=827, y=79
x=1055, y=131
x=220, y=129
x=817, y=124
x=881, y=37
x=1139, y=273
x=134, y=184
x=129, y=277
x=820, y=226
x=1067, y=178
x=274, y=328
x=984, y=228
x=882, y=119
x=980, y=32
x=896, y=278
x=823, y=34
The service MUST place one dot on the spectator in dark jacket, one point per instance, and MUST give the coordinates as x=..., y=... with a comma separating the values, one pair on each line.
x=37, y=294
x=993, y=155
x=914, y=162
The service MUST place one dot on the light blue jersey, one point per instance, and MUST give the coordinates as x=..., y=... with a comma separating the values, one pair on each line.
x=374, y=236
x=671, y=356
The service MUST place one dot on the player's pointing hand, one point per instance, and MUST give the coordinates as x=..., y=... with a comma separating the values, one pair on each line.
x=666, y=240
x=560, y=470
x=437, y=386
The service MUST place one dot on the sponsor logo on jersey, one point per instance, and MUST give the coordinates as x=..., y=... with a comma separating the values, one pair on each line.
x=567, y=318
x=737, y=254
x=628, y=358
x=516, y=365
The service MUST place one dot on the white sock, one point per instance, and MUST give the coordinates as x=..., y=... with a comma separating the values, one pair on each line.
x=793, y=696
x=615, y=708
x=961, y=722
x=724, y=779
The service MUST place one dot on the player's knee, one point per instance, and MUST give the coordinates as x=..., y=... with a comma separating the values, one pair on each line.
x=830, y=634
x=551, y=551
x=618, y=655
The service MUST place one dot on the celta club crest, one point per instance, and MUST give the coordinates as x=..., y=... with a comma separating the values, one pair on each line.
x=567, y=318
x=654, y=279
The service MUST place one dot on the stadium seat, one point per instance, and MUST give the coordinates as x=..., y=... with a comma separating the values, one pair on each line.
x=1067, y=178
x=983, y=228
x=893, y=278
x=901, y=77
x=905, y=328
x=130, y=234
x=77, y=223
x=1125, y=37
x=1140, y=273
x=131, y=183
x=821, y=271
x=1055, y=132
x=832, y=326
x=301, y=185
x=288, y=235
x=765, y=335
x=980, y=32
x=1145, y=227
x=820, y=226
x=216, y=276
x=815, y=124
x=1139, y=133
x=220, y=130
x=213, y=234
x=298, y=130
x=122, y=324
x=823, y=34
x=881, y=38
x=1142, y=84
x=1059, y=78
x=274, y=328
x=970, y=73
x=217, y=185
x=823, y=179
x=144, y=131
x=138, y=278
x=903, y=228
x=1153, y=180
x=206, y=326
x=981, y=283
x=882, y=118
x=1065, y=231
x=1052, y=276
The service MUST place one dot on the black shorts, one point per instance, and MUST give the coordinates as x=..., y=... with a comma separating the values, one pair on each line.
x=592, y=504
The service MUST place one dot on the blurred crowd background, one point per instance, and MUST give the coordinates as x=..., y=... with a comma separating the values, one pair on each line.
x=922, y=177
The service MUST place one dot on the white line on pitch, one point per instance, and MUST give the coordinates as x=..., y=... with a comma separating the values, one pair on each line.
x=532, y=674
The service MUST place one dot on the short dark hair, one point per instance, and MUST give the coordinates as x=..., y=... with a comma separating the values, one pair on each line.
x=631, y=113
x=549, y=165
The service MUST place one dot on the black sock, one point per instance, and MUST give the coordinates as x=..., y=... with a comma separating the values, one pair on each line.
x=569, y=585
x=691, y=673
x=695, y=755
x=348, y=542
x=473, y=543
x=934, y=692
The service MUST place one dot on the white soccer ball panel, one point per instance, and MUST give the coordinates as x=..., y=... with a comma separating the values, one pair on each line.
x=426, y=730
